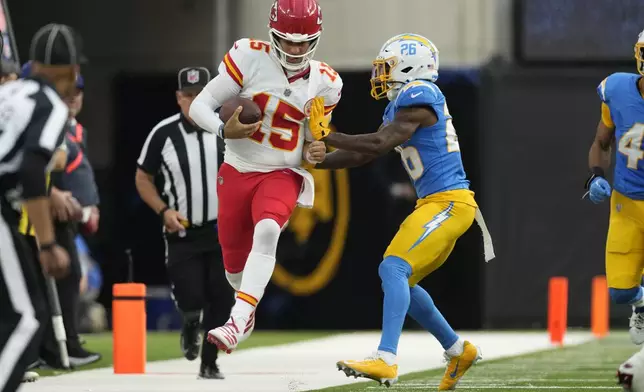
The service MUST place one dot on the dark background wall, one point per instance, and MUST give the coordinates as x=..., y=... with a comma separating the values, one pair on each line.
x=538, y=126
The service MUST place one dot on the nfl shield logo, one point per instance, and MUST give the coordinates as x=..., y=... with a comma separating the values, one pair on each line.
x=193, y=76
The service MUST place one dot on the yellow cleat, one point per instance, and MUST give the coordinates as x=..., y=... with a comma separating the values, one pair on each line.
x=457, y=366
x=374, y=368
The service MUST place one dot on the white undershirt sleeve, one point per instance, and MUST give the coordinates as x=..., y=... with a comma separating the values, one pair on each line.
x=212, y=97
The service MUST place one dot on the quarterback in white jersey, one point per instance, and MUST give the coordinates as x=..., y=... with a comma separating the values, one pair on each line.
x=261, y=180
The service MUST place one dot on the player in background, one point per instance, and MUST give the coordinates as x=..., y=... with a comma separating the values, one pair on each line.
x=418, y=125
x=622, y=119
x=261, y=180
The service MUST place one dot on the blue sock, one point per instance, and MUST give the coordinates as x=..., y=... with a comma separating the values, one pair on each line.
x=633, y=296
x=423, y=310
x=394, y=273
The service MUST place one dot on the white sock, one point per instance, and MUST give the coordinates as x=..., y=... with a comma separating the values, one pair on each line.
x=389, y=358
x=257, y=273
x=456, y=349
x=258, y=269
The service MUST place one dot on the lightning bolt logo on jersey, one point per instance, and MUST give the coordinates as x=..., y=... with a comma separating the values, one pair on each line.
x=432, y=156
x=625, y=107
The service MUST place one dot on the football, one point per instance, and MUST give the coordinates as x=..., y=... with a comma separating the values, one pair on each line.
x=250, y=113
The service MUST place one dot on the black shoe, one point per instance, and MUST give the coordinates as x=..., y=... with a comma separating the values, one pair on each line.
x=51, y=361
x=210, y=372
x=78, y=356
x=191, y=339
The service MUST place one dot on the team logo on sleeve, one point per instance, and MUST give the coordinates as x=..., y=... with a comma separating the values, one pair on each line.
x=307, y=107
x=193, y=76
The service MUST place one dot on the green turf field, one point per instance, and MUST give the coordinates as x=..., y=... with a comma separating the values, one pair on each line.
x=165, y=345
x=588, y=367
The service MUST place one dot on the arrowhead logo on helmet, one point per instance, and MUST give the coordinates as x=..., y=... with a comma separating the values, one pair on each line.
x=273, y=15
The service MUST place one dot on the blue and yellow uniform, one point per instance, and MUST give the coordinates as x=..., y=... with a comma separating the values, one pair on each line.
x=432, y=158
x=623, y=111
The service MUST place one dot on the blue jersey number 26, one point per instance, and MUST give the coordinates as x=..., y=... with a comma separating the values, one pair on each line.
x=408, y=48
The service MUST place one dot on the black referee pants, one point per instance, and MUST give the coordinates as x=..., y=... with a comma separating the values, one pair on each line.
x=69, y=286
x=196, y=271
x=22, y=307
x=68, y=295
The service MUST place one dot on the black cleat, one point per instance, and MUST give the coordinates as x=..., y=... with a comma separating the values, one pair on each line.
x=78, y=356
x=191, y=339
x=210, y=373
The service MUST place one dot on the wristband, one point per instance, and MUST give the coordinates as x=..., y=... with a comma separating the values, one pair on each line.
x=47, y=247
x=594, y=173
x=597, y=171
x=163, y=210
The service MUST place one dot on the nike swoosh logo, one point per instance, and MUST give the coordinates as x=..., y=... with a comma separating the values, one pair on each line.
x=453, y=374
x=415, y=95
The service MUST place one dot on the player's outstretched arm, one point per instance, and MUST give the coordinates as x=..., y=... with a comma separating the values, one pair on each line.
x=393, y=134
x=342, y=159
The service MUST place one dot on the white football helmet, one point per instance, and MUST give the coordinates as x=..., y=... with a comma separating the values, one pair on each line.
x=630, y=374
x=639, y=53
x=403, y=58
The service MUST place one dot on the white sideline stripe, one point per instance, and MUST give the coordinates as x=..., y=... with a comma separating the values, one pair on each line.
x=294, y=367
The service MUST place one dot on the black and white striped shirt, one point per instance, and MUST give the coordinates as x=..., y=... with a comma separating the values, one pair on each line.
x=188, y=159
x=32, y=118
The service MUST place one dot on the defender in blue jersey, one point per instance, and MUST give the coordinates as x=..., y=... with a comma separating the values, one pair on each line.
x=418, y=125
x=622, y=120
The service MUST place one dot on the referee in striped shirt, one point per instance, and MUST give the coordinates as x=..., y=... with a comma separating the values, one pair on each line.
x=186, y=158
x=32, y=120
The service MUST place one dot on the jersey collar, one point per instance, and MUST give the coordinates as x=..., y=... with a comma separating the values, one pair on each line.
x=299, y=75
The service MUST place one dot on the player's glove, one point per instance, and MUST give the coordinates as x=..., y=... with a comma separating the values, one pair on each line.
x=598, y=188
x=318, y=122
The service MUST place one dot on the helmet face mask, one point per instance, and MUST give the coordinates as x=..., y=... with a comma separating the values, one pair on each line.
x=381, y=78
x=295, y=21
x=402, y=59
x=639, y=53
x=293, y=62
